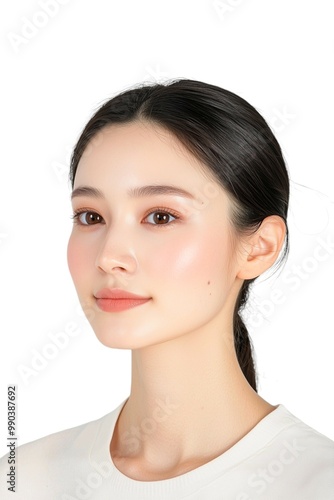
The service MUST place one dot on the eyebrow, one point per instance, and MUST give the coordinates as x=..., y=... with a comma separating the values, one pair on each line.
x=135, y=192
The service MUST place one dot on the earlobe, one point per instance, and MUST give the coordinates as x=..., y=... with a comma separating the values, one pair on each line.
x=263, y=247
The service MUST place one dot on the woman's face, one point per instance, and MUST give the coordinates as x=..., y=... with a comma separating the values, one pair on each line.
x=176, y=249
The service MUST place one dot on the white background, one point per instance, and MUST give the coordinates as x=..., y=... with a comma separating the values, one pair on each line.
x=275, y=54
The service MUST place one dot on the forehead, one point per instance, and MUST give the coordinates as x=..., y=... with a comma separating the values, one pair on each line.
x=139, y=152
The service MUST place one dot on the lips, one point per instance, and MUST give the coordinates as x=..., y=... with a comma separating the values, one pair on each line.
x=115, y=300
x=118, y=294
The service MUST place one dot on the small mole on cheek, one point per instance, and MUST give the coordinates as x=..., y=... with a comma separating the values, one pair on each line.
x=208, y=282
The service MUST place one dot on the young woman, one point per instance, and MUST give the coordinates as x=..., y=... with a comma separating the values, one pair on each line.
x=180, y=199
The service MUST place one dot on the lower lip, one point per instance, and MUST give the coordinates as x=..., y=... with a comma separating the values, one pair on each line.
x=117, y=305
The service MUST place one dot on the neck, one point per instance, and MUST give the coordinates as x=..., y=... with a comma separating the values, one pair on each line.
x=189, y=401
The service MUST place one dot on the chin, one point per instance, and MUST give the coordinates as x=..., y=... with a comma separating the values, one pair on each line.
x=119, y=340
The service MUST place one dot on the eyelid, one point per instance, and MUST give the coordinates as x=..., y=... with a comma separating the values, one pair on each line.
x=170, y=211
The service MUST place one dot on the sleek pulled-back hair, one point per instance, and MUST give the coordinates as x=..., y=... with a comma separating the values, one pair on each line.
x=234, y=142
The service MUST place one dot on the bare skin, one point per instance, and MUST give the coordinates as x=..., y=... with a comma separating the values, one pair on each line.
x=189, y=400
x=209, y=417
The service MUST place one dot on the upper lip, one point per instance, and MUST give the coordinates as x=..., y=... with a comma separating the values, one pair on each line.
x=117, y=293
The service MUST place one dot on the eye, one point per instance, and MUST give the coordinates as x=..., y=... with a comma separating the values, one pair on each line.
x=86, y=217
x=161, y=217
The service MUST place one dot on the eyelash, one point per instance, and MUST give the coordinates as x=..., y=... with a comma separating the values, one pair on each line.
x=163, y=210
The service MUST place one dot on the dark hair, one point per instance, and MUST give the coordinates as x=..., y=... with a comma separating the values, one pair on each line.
x=231, y=138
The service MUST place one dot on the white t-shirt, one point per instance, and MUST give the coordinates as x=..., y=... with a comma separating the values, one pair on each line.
x=281, y=458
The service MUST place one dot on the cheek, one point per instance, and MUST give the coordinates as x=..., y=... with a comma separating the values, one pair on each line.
x=72, y=260
x=193, y=259
x=77, y=259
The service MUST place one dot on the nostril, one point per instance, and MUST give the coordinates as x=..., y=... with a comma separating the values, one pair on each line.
x=125, y=266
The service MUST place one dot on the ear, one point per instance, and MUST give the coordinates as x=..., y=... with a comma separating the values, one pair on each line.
x=261, y=249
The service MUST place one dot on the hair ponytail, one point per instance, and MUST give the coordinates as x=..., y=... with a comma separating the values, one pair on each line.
x=242, y=341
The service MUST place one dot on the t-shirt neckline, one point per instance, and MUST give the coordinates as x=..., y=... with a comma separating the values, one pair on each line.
x=263, y=432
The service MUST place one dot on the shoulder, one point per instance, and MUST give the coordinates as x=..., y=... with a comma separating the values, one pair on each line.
x=296, y=460
x=306, y=436
x=67, y=439
x=57, y=456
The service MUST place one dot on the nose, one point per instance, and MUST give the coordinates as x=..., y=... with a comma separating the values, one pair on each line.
x=117, y=256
